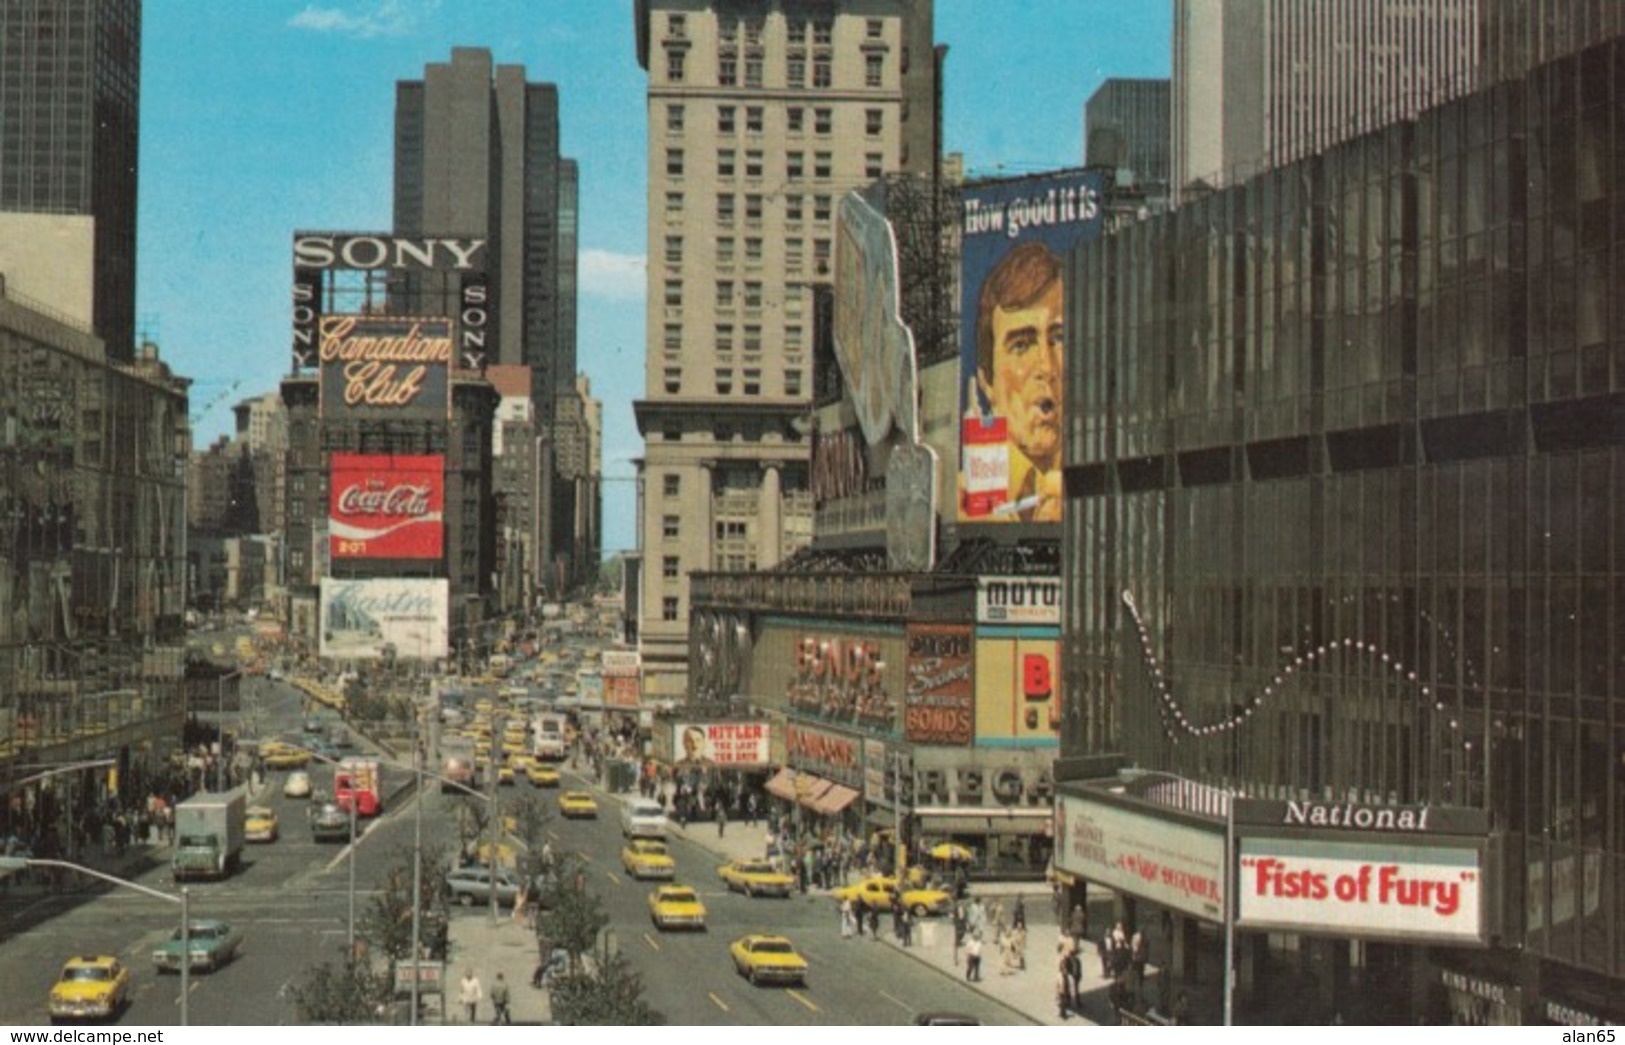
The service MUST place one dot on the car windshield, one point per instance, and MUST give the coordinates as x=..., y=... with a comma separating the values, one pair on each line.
x=199, y=932
x=755, y=869
x=86, y=974
x=770, y=947
x=195, y=841
x=651, y=848
x=681, y=896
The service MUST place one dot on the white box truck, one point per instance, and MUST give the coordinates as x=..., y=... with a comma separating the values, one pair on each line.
x=208, y=835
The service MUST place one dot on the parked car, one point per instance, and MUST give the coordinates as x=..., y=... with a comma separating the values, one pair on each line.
x=212, y=943
x=471, y=885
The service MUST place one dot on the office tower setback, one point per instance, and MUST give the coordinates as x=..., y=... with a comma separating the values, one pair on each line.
x=70, y=76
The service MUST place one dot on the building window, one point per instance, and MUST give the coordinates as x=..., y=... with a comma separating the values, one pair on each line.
x=793, y=255
x=674, y=250
x=823, y=165
x=672, y=338
x=753, y=294
x=725, y=209
x=674, y=119
x=674, y=64
x=795, y=119
x=670, y=526
x=795, y=165
x=668, y=608
x=792, y=338
x=754, y=120
x=672, y=435
x=753, y=208
x=674, y=163
x=668, y=567
x=823, y=121
x=674, y=204
x=821, y=208
x=725, y=381
x=753, y=250
x=725, y=163
x=821, y=72
x=792, y=208
x=874, y=122
x=674, y=380
x=728, y=69
x=725, y=339
x=674, y=293
x=725, y=293
x=821, y=256
x=872, y=28
x=753, y=381
x=725, y=119
x=873, y=167
x=823, y=32
x=753, y=338
x=792, y=382
x=795, y=69
x=753, y=70
x=677, y=26
x=672, y=485
x=753, y=163
x=725, y=250
x=873, y=70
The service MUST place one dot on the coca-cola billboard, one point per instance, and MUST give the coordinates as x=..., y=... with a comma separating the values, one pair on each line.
x=387, y=507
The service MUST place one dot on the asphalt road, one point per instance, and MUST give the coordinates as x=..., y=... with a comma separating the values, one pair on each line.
x=292, y=901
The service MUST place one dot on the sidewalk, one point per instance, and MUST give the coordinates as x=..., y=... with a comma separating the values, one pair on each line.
x=506, y=947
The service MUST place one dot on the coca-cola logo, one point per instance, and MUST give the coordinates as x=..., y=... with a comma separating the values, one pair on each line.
x=404, y=499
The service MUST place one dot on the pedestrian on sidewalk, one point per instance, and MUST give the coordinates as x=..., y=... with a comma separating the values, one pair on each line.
x=1063, y=988
x=905, y=925
x=860, y=914
x=499, y=1002
x=1071, y=973
x=722, y=819
x=750, y=809
x=1078, y=924
x=959, y=930
x=469, y=994
x=1139, y=955
x=846, y=919
x=874, y=922
x=1018, y=917
x=973, y=959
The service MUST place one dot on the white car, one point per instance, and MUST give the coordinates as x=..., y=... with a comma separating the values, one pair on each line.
x=643, y=818
x=297, y=785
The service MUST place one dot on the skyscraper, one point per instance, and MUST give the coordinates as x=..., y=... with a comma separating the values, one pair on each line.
x=1259, y=84
x=70, y=77
x=1125, y=125
x=760, y=118
x=477, y=153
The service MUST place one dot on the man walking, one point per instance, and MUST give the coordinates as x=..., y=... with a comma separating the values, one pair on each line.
x=973, y=958
x=499, y=1001
x=469, y=994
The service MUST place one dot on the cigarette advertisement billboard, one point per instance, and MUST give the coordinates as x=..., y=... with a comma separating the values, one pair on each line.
x=1012, y=336
x=1369, y=888
x=731, y=745
x=1159, y=859
x=379, y=617
x=387, y=506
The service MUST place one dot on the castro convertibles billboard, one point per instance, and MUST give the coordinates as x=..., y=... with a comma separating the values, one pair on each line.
x=1012, y=336
x=387, y=506
x=381, y=617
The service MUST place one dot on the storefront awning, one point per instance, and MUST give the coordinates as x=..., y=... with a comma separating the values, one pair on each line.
x=782, y=785
x=834, y=800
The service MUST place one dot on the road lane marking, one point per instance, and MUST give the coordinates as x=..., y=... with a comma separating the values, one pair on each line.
x=797, y=996
x=898, y=1001
x=612, y=876
x=650, y=940
x=719, y=1002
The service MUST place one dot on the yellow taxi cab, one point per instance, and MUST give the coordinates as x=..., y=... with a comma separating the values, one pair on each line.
x=761, y=958
x=507, y=855
x=521, y=762
x=676, y=907
x=578, y=805
x=259, y=824
x=877, y=893
x=755, y=878
x=513, y=745
x=485, y=706
x=284, y=756
x=542, y=776
x=505, y=774
x=90, y=987
x=647, y=858
x=482, y=749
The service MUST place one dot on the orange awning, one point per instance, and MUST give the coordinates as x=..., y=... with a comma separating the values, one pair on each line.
x=832, y=801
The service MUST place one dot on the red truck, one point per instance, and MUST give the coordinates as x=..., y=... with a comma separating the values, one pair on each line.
x=357, y=780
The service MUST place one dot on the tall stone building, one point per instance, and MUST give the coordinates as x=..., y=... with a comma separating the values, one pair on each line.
x=70, y=78
x=760, y=118
x=477, y=153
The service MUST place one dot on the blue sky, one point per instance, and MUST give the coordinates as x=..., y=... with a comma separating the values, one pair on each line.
x=261, y=118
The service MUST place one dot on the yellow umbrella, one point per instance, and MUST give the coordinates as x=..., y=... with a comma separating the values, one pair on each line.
x=952, y=853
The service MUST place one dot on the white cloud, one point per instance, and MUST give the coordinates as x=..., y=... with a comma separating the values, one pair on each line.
x=605, y=274
x=365, y=19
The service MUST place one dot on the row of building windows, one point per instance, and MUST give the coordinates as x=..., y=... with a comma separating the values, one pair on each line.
x=750, y=385
x=744, y=63
x=795, y=120
x=795, y=164
x=795, y=207
x=793, y=344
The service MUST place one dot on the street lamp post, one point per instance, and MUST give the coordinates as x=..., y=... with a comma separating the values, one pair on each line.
x=17, y=863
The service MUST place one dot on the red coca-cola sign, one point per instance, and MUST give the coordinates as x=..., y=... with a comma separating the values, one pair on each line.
x=387, y=507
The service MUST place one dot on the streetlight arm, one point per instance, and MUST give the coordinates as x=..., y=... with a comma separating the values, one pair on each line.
x=17, y=863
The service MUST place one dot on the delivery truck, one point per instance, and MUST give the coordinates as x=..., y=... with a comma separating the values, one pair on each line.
x=357, y=780
x=208, y=835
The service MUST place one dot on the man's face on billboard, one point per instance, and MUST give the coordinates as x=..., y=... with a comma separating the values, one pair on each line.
x=1026, y=378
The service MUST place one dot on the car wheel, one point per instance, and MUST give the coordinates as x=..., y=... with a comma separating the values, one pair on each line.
x=750, y=977
x=750, y=891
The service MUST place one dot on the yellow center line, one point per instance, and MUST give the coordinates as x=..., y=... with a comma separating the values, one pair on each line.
x=612, y=876
x=798, y=997
x=650, y=940
x=719, y=1002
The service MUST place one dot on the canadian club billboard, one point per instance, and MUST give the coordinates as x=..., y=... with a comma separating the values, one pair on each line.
x=391, y=365
x=387, y=507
